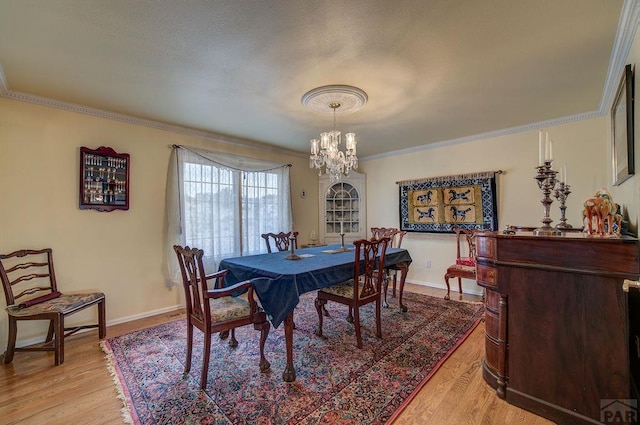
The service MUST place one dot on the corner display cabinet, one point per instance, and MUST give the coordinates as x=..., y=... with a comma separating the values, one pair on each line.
x=104, y=179
x=342, y=209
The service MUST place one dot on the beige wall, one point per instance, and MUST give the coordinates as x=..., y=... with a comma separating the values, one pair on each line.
x=120, y=252
x=581, y=145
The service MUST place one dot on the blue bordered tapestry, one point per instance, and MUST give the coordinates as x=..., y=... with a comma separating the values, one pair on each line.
x=440, y=204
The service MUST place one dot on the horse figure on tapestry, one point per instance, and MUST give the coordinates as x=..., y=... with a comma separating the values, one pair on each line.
x=454, y=194
x=457, y=213
x=426, y=214
x=424, y=198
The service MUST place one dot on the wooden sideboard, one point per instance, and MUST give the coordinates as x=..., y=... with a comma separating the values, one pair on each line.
x=557, y=321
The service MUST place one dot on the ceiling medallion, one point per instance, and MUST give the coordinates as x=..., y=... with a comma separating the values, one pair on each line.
x=325, y=152
x=319, y=100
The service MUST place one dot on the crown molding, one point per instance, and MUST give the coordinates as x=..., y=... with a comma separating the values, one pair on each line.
x=5, y=92
x=627, y=26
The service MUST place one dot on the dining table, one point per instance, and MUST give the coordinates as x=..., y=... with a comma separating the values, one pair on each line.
x=279, y=281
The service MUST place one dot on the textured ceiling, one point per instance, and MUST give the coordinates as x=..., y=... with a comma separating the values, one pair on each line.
x=434, y=70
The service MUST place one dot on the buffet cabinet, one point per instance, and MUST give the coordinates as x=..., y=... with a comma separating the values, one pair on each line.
x=559, y=341
x=342, y=208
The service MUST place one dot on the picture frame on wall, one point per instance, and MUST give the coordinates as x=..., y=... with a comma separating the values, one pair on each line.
x=622, y=154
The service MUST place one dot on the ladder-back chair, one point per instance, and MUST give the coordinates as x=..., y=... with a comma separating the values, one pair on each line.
x=31, y=293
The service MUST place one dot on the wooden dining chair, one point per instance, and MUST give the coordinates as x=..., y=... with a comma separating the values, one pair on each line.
x=280, y=240
x=395, y=241
x=465, y=265
x=31, y=293
x=216, y=310
x=365, y=287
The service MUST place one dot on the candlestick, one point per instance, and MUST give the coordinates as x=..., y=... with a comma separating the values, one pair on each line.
x=562, y=193
x=547, y=179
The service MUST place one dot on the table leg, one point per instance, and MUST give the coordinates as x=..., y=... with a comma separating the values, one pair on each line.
x=404, y=269
x=289, y=374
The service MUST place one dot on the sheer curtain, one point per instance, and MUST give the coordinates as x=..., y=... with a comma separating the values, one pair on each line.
x=221, y=204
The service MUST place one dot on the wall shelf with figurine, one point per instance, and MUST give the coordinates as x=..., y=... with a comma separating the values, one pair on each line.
x=104, y=179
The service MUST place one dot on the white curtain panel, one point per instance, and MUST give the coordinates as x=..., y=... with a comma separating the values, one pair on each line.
x=221, y=204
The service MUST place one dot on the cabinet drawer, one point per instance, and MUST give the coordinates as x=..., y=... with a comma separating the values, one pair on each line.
x=491, y=324
x=486, y=247
x=492, y=354
x=492, y=300
x=487, y=276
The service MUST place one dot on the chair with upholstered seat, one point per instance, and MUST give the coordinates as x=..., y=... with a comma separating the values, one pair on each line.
x=216, y=309
x=465, y=265
x=31, y=293
x=395, y=241
x=280, y=240
x=365, y=287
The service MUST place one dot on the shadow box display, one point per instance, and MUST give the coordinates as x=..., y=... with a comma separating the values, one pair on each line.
x=104, y=179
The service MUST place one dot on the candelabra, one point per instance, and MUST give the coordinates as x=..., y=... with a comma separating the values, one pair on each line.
x=561, y=193
x=547, y=180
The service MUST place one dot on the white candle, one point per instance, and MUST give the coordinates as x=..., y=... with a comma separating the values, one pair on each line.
x=540, y=147
x=550, y=150
x=546, y=146
x=341, y=228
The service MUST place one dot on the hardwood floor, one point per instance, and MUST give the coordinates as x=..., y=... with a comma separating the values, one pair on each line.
x=81, y=391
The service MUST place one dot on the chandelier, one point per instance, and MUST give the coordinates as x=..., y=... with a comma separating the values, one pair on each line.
x=325, y=152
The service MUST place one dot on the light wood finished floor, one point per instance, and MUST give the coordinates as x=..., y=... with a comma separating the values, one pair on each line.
x=81, y=391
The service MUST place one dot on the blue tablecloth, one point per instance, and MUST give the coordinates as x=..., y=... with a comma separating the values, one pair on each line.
x=279, y=282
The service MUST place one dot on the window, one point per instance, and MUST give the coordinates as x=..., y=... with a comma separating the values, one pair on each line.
x=222, y=204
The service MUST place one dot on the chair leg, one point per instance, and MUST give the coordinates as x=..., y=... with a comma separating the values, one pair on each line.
x=320, y=303
x=11, y=345
x=205, y=360
x=50, y=332
x=102, y=319
x=187, y=365
x=233, y=342
x=395, y=281
x=350, y=315
x=264, y=328
x=58, y=324
x=446, y=280
x=378, y=318
x=460, y=287
x=356, y=323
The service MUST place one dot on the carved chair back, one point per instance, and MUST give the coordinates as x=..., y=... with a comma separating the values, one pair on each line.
x=213, y=307
x=280, y=240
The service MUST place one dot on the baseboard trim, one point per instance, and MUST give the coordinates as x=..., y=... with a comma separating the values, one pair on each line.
x=444, y=287
x=38, y=340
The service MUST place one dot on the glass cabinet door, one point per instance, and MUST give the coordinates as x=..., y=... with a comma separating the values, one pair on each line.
x=342, y=209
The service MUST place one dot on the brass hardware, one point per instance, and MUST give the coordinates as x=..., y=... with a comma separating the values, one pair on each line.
x=630, y=284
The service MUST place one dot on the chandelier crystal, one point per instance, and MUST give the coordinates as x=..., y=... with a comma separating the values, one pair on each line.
x=325, y=152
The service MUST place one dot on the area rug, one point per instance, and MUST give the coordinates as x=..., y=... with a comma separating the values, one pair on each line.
x=336, y=382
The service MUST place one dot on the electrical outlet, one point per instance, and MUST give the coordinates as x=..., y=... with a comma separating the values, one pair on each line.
x=428, y=264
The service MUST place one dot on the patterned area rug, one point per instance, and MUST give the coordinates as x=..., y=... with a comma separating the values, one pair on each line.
x=336, y=382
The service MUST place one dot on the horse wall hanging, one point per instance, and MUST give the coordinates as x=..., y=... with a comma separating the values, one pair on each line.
x=439, y=204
